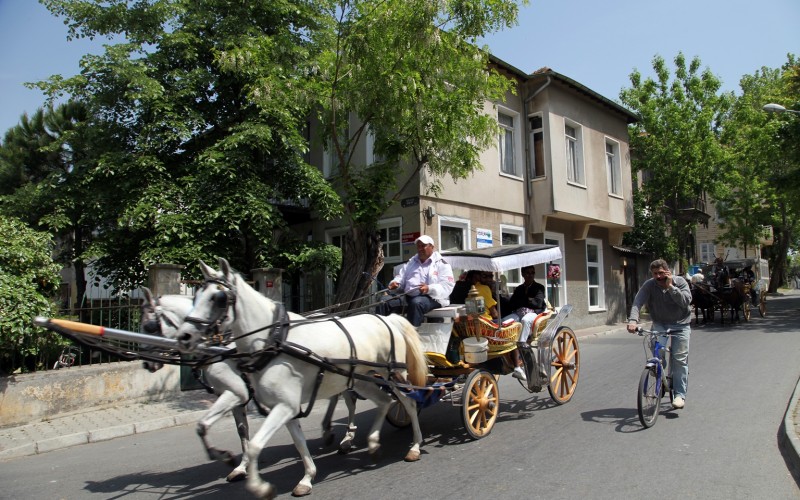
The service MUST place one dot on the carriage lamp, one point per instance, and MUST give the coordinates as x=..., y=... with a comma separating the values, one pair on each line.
x=474, y=303
x=475, y=306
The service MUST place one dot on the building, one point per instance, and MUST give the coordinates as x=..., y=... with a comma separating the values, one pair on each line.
x=560, y=174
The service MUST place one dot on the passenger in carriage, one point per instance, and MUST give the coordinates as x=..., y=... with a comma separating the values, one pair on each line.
x=460, y=290
x=426, y=279
x=750, y=277
x=527, y=302
x=478, y=279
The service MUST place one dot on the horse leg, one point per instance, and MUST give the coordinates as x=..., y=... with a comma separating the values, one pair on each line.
x=226, y=402
x=411, y=409
x=327, y=427
x=242, y=427
x=280, y=414
x=303, y=488
x=350, y=398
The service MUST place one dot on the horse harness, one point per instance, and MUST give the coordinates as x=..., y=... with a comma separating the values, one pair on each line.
x=277, y=343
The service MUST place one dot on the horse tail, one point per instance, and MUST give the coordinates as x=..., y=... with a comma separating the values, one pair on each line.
x=415, y=356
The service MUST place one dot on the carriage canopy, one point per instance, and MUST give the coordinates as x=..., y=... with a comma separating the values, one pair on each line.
x=504, y=258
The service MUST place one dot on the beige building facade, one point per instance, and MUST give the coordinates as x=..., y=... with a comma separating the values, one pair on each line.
x=560, y=173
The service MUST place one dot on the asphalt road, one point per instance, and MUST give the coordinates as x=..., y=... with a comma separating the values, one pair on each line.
x=724, y=444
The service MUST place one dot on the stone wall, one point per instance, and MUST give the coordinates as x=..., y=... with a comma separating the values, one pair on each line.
x=34, y=397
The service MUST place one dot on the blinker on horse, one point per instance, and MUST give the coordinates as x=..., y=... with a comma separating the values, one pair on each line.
x=316, y=358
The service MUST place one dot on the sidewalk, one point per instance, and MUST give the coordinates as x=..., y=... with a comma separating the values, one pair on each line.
x=104, y=424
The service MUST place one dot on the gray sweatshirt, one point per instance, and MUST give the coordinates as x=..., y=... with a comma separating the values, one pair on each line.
x=669, y=305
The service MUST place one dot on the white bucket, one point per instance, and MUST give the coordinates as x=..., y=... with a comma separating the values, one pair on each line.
x=476, y=349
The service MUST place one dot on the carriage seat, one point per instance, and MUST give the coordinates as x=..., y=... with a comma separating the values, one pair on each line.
x=447, y=313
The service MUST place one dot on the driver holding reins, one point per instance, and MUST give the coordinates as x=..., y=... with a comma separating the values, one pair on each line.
x=426, y=279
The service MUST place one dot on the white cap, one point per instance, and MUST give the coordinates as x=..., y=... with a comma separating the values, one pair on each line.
x=425, y=239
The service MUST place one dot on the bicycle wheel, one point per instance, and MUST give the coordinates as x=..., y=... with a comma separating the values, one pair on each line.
x=649, y=397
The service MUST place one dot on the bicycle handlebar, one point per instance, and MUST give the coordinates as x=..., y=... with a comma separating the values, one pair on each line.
x=641, y=331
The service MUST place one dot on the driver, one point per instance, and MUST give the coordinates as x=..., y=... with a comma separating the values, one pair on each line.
x=426, y=279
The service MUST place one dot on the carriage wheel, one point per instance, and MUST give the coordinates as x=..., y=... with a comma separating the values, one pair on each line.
x=762, y=303
x=746, y=310
x=565, y=364
x=481, y=403
x=398, y=416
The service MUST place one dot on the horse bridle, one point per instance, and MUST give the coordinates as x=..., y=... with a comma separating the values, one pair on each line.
x=223, y=300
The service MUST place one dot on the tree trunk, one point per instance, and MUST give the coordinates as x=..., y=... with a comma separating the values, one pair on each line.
x=362, y=258
x=778, y=259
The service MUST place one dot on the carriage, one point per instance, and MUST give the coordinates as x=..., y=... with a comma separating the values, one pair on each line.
x=466, y=354
x=291, y=364
x=727, y=286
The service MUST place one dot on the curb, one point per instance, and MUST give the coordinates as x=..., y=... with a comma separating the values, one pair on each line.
x=98, y=435
x=789, y=439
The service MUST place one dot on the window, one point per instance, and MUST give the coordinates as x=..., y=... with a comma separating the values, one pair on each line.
x=613, y=168
x=330, y=159
x=706, y=252
x=537, y=149
x=506, y=146
x=512, y=235
x=453, y=235
x=556, y=289
x=594, y=273
x=574, y=156
x=390, y=233
x=372, y=156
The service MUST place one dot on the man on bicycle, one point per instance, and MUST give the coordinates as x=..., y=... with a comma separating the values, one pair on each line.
x=667, y=299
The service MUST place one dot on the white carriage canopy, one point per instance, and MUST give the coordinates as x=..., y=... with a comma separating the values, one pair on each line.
x=504, y=258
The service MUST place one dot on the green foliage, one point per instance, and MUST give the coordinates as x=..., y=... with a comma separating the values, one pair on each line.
x=408, y=75
x=311, y=256
x=28, y=280
x=762, y=188
x=676, y=143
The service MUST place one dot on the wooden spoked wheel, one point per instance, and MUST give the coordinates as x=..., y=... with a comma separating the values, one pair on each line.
x=481, y=401
x=762, y=303
x=746, y=310
x=565, y=365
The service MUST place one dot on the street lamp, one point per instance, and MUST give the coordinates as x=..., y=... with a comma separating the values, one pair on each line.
x=777, y=108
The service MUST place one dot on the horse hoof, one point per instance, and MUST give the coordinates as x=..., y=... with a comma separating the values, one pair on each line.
x=328, y=438
x=345, y=447
x=235, y=476
x=301, y=490
x=265, y=491
x=412, y=456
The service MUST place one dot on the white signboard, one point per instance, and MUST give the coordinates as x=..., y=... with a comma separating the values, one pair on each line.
x=484, y=238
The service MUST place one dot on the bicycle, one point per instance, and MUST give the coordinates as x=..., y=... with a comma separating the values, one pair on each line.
x=67, y=357
x=656, y=379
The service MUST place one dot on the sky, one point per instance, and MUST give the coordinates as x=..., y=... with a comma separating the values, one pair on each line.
x=597, y=43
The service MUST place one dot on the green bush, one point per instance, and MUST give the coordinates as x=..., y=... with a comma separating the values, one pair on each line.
x=28, y=280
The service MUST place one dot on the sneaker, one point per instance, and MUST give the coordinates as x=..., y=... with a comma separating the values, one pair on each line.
x=678, y=402
x=519, y=373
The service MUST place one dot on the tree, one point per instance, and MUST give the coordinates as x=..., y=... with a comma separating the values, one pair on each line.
x=767, y=160
x=410, y=73
x=47, y=165
x=28, y=278
x=206, y=102
x=675, y=144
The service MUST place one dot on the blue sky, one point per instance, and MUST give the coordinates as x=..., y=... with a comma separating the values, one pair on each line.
x=597, y=43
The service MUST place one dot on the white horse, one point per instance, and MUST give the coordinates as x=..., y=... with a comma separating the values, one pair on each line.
x=317, y=359
x=162, y=316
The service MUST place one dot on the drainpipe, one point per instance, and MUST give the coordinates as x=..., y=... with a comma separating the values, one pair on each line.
x=528, y=177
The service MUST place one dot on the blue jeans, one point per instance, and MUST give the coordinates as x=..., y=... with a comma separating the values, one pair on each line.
x=418, y=306
x=679, y=359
